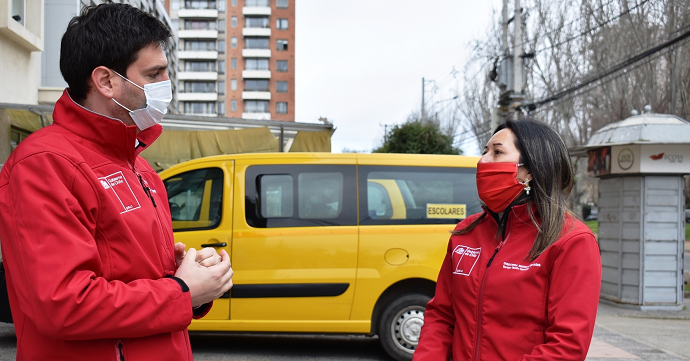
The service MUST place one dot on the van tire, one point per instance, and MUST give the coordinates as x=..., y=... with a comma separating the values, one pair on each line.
x=400, y=325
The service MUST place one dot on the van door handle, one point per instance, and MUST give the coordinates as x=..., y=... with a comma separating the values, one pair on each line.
x=219, y=244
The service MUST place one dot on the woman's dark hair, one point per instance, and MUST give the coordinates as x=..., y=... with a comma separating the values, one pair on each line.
x=107, y=35
x=546, y=157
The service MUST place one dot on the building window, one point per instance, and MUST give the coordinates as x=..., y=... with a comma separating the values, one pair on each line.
x=282, y=24
x=282, y=4
x=221, y=6
x=282, y=45
x=281, y=87
x=221, y=108
x=234, y=2
x=233, y=105
x=256, y=3
x=233, y=63
x=199, y=25
x=198, y=87
x=175, y=5
x=233, y=21
x=221, y=46
x=199, y=66
x=221, y=25
x=221, y=67
x=199, y=45
x=17, y=135
x=257, y=22
x=200, y=107
x=233, y=84
x=281, y=66
x=281, y=107
x=256, y=106
x=255, y=64
x=200, y=4
x=256, y=43
x=175, y=24
x=221, y=87
x=233, y=42
x=256, y=85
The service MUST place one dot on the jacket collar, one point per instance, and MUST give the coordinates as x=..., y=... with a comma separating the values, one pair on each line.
x=109, y=135
x=519, y=213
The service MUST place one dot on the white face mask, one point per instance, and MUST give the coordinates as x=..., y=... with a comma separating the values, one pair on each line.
x=158, y=96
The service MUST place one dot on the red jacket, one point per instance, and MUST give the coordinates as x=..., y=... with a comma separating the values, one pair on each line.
x=84, y=247
x=514, y=309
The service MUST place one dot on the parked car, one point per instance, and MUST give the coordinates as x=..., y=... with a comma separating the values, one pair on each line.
x=687, y=216
x=593, y=214
x=324, y=243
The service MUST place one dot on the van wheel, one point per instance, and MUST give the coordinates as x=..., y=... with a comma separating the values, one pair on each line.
x=400, y=325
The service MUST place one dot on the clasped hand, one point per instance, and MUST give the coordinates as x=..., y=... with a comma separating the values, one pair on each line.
x=207, y=273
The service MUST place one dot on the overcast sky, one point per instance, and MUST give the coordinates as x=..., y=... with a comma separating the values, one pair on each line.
x=360, y=63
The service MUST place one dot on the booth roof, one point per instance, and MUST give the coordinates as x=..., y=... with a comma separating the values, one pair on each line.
x=646, y=128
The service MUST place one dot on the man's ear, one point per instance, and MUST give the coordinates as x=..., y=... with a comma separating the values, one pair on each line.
x=102, y=80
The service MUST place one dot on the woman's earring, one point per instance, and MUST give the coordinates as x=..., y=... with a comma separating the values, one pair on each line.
x=527, y=187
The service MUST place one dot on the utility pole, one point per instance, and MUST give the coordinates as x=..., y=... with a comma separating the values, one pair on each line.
x=498, y=113
x=423, y=113
x=517, y=97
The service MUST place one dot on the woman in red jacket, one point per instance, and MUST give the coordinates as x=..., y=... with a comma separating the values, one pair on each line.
x=521, y=280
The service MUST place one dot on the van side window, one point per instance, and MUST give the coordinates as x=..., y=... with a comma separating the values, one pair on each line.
x=320, y=195
x=276, y=196
x=416, y=195
x=378, y=201
x=196, y=199
x=300, y=195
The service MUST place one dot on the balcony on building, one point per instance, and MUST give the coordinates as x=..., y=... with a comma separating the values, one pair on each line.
x=256, y=32
x=197, y=34
x=191, y=55
x=256, y=10
x=256, y=74
x=256, y=53
x=256, y=116
x=256, y=95
x=197, y=97
x=197, y=13
x=197, y=75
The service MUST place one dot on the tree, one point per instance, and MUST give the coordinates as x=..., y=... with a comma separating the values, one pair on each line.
x=417, y=137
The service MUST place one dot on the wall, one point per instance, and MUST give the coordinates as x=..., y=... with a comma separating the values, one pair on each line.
x=20, y=73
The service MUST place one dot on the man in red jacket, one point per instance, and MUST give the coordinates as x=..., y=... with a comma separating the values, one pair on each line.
x=86, y=232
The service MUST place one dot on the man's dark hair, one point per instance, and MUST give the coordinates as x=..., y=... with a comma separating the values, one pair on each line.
x=107, y=35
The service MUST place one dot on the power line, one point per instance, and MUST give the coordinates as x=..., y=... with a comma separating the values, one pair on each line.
x=609, y=71
x=610, y=79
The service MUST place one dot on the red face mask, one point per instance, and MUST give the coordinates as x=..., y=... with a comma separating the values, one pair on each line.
x=498, y=185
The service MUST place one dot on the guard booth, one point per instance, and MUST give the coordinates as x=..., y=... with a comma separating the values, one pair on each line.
x=641, y=162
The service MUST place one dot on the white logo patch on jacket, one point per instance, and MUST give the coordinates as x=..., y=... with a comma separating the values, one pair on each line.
x=464, y=259
x=121, y=191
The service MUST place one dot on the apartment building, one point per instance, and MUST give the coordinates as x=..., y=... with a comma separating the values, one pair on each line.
x=236, y=58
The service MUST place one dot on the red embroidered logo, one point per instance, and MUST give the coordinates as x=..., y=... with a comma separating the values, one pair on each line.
x=464, y=259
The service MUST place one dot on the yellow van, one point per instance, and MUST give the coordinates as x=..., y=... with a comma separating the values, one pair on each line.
x=321, y=242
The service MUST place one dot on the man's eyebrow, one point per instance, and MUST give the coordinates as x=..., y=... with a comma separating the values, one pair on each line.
x=156, y=67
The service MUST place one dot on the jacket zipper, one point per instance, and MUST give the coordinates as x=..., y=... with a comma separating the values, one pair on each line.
x=148, y=192
x=119, y=348
x=481, y=294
